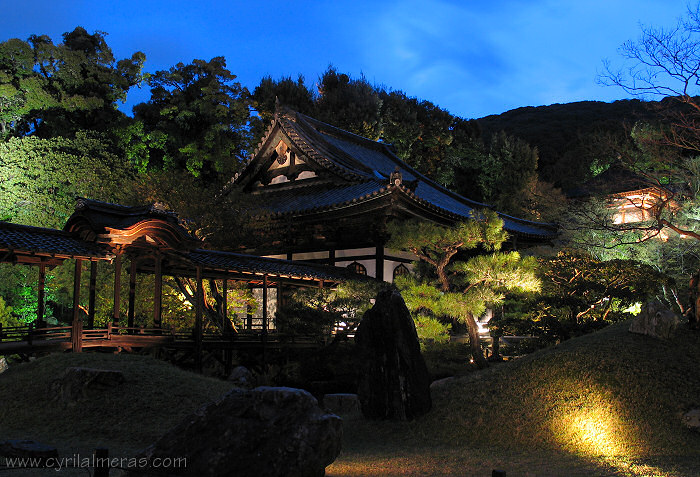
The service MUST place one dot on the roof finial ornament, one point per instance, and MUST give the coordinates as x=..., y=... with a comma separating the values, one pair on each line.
x=396, y=178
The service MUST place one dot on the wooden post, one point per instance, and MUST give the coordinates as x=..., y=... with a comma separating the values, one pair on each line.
x=117, y=287
x=249, y=314
x=198, y=331
x=158, y=291
x=42, y=294
x=76, y=331
x=264, y=317
x=279, y=295
x=224, y=291
x=132, y=295
x=91, y=296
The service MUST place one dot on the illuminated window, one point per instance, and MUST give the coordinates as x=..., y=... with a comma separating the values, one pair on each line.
x=401, y=270
x=357, y=268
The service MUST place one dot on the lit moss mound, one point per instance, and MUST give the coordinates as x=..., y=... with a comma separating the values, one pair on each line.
x=611, y=393
x=154, y=397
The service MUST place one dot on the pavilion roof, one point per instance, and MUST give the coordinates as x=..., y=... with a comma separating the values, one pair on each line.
x=24, y=240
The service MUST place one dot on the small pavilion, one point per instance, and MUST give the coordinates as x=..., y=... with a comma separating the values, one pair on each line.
x=150, y=240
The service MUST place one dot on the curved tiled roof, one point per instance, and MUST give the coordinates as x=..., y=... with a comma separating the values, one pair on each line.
x=41, y=241
x=367, y=165
x=231, y=261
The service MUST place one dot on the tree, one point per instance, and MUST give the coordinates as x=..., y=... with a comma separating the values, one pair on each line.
x=40, y=178
x=462, y=289
x=350, y=104
x=196, y=120
x=581, y=293
x=53, y=90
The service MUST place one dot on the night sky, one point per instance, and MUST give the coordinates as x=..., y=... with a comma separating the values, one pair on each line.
x=472, y=57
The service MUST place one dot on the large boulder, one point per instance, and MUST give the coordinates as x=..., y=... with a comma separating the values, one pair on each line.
x=394, y=380
x=655, y=320
x=3, y=364
x=270, y=431
x=77, y=383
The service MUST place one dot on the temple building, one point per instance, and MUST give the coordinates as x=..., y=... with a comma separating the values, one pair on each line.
x=331, y=193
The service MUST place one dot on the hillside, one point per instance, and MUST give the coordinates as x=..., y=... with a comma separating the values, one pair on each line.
x=562, y=132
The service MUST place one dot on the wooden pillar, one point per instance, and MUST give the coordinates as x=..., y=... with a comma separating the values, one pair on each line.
x=280, y=291
x=224, y=291
x=249, y=314
x=158, y=292
x=264, y=305
x=76, y=331
x=117, y=287
x=42, y=296
x=264, y=319
x=198, y=328
x=91, y=296
x=132, y=295
x=331, y=257
x=228, y=352
x=379, y=263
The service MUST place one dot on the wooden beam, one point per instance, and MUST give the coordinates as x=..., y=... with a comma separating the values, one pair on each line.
x=91, y=296
x=158, y=291
x=41, y=298
x=76, y=331
x=117, y=287
x=132, y=294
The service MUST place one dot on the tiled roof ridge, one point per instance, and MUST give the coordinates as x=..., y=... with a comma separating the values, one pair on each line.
x=303, y=143
x=329, y=128
x=345, y=159
x=394, y=158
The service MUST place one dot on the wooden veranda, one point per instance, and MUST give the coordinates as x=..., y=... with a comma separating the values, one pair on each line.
x=151, y=241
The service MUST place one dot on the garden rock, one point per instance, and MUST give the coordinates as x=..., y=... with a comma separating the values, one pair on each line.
x=266, y=431
x=343, y=404
x=241, y=377
x=76, y=384
x=28, y=448
x=692, y=419
x=655, y=320
x=394, y=380
x=3, y=364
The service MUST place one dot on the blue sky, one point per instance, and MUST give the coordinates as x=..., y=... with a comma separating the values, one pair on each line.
x=471, y=57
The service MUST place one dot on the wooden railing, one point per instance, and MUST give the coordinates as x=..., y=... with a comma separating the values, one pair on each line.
x=101, y=336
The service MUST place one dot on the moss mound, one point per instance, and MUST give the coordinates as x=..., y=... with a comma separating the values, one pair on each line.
x=155, y=397
x=611, y=393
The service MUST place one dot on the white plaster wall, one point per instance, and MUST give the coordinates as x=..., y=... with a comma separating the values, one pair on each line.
x=354, y=252
x=310, y=255
x=370, y=265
